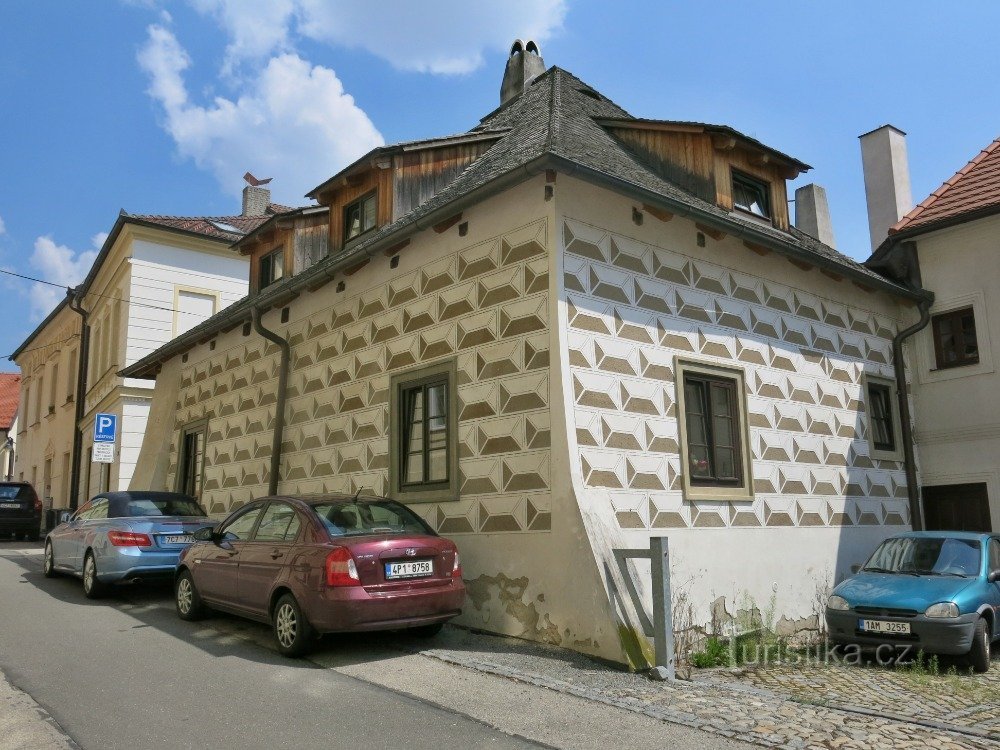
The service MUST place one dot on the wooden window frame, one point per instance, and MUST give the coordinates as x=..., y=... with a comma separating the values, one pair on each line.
x=277, y=252
x=954, y=315
x=757, y=183
x=444, y=491
x=741, y=488
x=887, y=385
x=200, y=426
x=360, y=201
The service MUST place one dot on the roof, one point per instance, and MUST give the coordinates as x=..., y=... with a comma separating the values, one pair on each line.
x=211, y=226
x=554, y=124
x=973, y=190
x=10, y=395
x=64, y=302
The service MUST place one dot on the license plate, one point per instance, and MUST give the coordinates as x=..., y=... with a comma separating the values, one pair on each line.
x=414, y=569
x=885, y=627
x=10, y=506
x=177, y=539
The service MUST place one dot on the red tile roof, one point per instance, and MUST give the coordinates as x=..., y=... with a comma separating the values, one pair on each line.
x=975, y=187
x=10, y=395
x=211, y=226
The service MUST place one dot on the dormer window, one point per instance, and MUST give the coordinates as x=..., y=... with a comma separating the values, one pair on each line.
x=359, y=216
x=272, y=268
x=751, y=195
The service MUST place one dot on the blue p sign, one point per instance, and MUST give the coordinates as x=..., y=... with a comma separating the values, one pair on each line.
x=105, y=428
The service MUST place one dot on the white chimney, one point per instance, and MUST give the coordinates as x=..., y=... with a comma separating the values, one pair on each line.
x=887, y=179
x=812, y=213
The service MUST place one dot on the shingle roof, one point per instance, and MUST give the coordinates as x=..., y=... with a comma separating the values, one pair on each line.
x=207, y=225
x=974, y=188
x=10, y=395
x=552, y=125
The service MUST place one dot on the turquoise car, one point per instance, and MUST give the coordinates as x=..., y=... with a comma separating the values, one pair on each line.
x=931, y=591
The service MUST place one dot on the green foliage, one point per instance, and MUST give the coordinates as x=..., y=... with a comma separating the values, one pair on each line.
x=715, y=654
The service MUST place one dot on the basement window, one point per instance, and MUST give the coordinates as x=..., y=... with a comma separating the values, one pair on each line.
x=360, y=216
x=272, y=268
x=751, y=195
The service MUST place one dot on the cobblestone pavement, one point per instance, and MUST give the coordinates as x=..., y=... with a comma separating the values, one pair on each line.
x=956, y=699
x=763, y=708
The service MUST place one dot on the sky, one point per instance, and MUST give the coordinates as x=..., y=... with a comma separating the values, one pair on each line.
x=160, y=107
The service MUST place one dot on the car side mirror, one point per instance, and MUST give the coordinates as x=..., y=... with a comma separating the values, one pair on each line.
x=994, y=576
x=205, y=534
x=855, y=569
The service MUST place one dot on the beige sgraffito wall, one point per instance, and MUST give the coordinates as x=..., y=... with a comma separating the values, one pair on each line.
x=637, y=298
x=564, y=319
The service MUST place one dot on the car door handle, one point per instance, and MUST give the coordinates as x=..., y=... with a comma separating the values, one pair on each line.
x=276, y=554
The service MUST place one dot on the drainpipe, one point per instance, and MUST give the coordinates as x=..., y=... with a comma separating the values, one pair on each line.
x=81, y=397
x=279, y=407
x=909, y=460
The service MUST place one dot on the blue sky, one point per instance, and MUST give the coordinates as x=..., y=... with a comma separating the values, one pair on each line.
x=159, y=107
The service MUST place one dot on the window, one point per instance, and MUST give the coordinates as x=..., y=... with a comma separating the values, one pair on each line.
x=55, y=388
x=994, y=555
x=191, y=307
x=360, y=216
x=71, y=376
x=751, y=195
x=715, y=460
x=95, y=510
x=955, y=338
x=39, y=394
x=424, y=449
x=347, y=517
x=279, y=524
x=272, y=268
x=241, y=526
x=883, y=418
x=191, y=461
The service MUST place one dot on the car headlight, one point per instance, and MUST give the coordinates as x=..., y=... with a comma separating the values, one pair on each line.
x=837, y=602
x=942, y=609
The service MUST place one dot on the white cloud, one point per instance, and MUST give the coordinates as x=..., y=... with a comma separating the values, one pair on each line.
x=60, y=265
x=293, y=121
x=3, y=227
x=432, y=36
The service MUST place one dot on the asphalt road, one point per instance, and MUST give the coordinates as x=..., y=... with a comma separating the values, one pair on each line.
x=125, y=672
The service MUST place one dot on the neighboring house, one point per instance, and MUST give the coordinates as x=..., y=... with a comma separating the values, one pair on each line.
x=950, y=240
x=48, y=360
x=554, y=336
x=154, y=278
x=10, y=397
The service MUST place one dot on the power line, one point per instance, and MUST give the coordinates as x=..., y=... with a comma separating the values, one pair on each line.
x=45, y=346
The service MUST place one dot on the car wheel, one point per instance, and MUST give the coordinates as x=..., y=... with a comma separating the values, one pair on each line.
x=32, y=536
x=292, y=631
x=190, y=607
x=427, y=631
x=92, y=586
x=49, y=562
x=979, y=655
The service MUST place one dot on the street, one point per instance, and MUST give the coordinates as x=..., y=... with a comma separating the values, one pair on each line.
x=127, y=673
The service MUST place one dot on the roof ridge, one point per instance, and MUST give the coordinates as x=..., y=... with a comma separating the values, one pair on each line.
x=914, y=213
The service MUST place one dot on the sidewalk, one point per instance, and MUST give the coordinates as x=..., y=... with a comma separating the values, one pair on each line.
x=24, y=725
x=720, y=705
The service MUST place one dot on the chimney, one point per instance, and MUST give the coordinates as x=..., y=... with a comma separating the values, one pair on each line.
x=887, y=179
x=524, y=65
x=256, y=197
x=812, y=213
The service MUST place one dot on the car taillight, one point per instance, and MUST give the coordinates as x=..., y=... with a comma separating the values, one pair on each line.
x=340, y=568
x=38, y=504
x=129, y=539
x=456, y=569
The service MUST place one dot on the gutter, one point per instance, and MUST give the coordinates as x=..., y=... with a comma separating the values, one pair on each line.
x=279, y=407
x=74, y=296
x=906, y=427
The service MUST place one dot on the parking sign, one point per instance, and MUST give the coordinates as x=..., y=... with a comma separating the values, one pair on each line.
x=105, y=428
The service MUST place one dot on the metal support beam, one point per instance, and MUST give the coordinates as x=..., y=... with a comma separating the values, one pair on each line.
x=663, y=629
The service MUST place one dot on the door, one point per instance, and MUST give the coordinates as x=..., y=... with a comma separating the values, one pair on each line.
x=216, y=565
x=994, y=567
x=957, y=507
x=66, y=539
x=265, y=557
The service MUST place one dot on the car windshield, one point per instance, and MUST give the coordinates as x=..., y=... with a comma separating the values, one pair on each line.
x=10, y=491
x=943, y=556
x=355, y=517
x=163, y=506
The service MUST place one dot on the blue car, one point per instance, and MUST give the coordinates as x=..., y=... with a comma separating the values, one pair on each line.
x=124, y=537
x=935, y=591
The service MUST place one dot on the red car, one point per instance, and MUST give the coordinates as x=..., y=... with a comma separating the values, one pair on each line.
x=313, y=565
